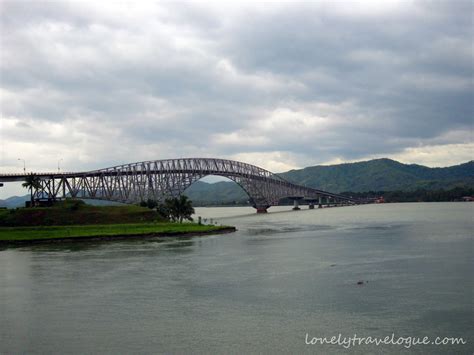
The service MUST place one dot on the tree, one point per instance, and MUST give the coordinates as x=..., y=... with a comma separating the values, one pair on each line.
x=163, y=211
x=151, y=204
x=32, y=181
x=179, y=208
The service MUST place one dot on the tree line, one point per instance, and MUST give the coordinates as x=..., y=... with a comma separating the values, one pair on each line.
x=419, y=195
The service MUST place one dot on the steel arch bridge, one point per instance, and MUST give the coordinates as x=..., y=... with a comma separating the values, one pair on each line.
x=159, y=179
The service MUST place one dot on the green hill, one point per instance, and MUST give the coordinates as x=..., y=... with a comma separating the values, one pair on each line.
x=382, y=175
x=219, y=193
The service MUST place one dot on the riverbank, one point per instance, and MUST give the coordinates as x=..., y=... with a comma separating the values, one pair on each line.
x=80, y=233
x=76, y=212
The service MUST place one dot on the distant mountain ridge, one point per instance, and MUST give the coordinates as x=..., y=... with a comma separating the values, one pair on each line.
x=218, y=193
x=14, y=201
x=382, y=175
x=373, y=175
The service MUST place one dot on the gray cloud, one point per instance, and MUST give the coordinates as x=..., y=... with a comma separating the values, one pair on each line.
x=304, y=83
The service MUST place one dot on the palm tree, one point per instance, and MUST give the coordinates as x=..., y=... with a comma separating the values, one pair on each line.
x=179, y=208
x=32, y=182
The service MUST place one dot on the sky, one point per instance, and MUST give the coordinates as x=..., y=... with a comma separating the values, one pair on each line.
x=282, y=85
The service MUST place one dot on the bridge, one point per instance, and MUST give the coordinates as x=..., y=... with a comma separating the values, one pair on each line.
x=159, y=179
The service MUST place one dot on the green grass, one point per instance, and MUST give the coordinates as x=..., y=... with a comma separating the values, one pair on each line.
x=12, y=234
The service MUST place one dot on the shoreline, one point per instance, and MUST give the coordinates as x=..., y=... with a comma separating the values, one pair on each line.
x=131, y=236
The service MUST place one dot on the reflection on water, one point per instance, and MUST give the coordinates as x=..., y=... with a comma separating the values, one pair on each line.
x=261, y=289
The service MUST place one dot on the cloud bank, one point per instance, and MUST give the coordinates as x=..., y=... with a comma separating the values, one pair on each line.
x=281, y=85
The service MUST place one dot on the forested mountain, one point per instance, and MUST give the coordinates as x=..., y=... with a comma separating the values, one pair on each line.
x=382, y=175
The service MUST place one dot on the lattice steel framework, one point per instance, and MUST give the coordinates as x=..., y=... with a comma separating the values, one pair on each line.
x=159, y=179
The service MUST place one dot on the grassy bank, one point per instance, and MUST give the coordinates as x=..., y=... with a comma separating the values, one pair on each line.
x=106, y=231
x=74, y=212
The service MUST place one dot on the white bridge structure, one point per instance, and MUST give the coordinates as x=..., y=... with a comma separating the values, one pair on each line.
x=159, y=179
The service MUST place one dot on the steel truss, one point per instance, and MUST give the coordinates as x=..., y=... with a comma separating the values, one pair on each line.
x=159, y=179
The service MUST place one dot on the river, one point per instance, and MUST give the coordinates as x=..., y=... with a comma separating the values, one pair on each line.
x=282, y=279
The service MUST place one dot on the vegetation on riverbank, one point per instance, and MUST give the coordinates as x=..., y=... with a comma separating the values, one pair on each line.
x=420, y=195
x=106, y=231
x=174, y=209
x=76, y=212
x=73, y=220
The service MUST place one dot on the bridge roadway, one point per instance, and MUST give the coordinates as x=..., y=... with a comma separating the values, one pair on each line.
x=135, y=182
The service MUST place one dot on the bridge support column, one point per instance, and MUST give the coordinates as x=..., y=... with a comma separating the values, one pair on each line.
x=64, y=187
x=320, y=203
x=311, y=206
x=261, y=209
x=296, y=205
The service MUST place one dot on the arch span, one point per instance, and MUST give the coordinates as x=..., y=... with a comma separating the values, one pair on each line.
x=158, y=179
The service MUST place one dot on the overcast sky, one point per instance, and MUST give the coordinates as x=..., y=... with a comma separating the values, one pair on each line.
x=279, y=85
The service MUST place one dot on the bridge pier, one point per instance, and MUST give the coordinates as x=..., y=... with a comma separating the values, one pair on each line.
x=329, y=200
x=296, y=205
x=311, y=202
x=261, y=209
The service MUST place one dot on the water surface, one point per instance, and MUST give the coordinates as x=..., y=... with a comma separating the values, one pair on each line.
x=281, y=276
